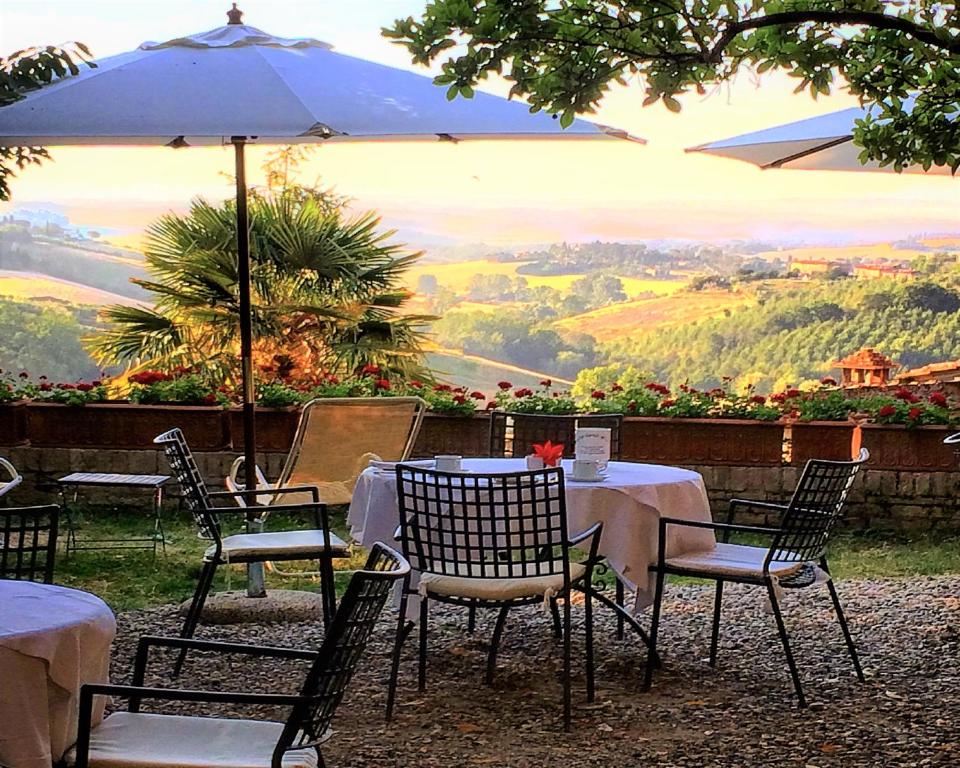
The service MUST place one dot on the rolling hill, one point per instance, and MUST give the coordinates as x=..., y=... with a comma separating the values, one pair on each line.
x=33, y=285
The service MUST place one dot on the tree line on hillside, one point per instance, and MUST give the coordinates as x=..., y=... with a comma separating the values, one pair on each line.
x=799, y=334
x=628, y=259
x=43, y=339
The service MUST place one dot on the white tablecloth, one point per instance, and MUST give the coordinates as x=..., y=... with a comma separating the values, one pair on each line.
x=629, y=501
x=52, y=641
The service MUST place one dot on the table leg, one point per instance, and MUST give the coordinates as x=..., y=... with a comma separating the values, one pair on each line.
x=158, y=522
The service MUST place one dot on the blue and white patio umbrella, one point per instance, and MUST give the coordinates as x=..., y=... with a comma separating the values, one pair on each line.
x=238, y=85
x=822, y=143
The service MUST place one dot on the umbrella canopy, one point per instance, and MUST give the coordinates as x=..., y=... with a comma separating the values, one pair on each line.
x=237, y=84
x=822, y=143
x=239, y=81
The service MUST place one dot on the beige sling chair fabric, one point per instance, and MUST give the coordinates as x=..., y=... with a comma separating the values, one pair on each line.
x=337, y=438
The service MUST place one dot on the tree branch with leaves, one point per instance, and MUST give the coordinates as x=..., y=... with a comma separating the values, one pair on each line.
x=25, y=71
x=563, y=56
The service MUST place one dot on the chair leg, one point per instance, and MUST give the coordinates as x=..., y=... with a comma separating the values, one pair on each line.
x=495, y=643
x=566, y=664
x=422, y=667
x=620, y=601
x=782, y=629
x=555, y=612
x=196, y=610
x=472, y=619
x=715, y=634
x=846, y=630
x=403, y=629
x=624, y=614
x=328, y=591
x=652, y=658
x=588, y=618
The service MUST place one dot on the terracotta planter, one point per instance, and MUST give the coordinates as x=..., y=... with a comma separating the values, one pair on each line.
x=13, y=423
x=832, y=440
x=894, y=446
x=703, y=441
x=275, y=428
x=123, y=425
x=462, y=435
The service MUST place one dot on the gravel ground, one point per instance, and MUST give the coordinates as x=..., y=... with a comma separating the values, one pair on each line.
x=741, y=714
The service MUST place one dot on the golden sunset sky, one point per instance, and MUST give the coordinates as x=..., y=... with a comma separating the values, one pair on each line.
x=494, y=192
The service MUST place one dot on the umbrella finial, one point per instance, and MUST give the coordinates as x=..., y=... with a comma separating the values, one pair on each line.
x=235, y=15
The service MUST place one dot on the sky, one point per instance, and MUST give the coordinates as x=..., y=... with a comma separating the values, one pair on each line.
x=502, y=193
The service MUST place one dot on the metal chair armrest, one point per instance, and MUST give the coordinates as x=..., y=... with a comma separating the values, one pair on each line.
x=253, y=493
x=593, y=533
x=135, y=693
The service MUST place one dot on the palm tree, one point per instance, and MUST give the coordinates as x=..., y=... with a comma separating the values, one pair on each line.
x=326, y=292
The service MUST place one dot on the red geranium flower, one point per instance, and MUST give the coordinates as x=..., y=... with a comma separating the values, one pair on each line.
x=914, y=413
x=598, y=394
x=758, y=399
x=45, y=386
x=477, y=395
x=616, y=387
x=791, y=393
x=84, y=387
x=459, y=399
x=667, y=403
x=779, y=397
x=416, y=384
x=661, y=389
x=210, y=399
x=504, y=385
x=546, y=382
x=906, y=395
x=370, y=370
x=442, y=388
x=381, y=384
x=938, y=398
x=632, y=406
x=522, y=392
x=24, y=375
x=887, y=410
x=333, y=379
x=491, y=405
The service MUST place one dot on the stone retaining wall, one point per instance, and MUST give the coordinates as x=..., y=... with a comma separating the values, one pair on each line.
x=906, y=499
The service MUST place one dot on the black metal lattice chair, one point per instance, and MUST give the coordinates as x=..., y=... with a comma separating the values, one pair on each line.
x=512, y=435
x=492, y=541
x=795, y=558
x=28, y=542
x=319, y=544
x=147, y=739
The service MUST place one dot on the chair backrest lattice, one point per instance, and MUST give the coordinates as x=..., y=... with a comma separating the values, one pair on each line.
x=192, y=486
x=512, y=435
x=28, y=542
x=484, y=526
x=342, y=648
x=337, y=436
x=814, y=509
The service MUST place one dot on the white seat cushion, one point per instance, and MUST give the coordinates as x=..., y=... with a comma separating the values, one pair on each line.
x=139, y=740
x=308, y=544
x=733, y=560
x=499, y=588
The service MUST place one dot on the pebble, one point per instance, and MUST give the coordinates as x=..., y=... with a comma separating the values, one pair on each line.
x=740, y=715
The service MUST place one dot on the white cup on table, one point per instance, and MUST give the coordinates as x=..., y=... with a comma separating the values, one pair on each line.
x=586, y=469
x=448, y=462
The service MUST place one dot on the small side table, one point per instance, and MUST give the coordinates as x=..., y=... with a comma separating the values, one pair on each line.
x=153, y=483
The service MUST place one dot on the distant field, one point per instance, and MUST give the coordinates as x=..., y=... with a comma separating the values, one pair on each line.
x=614, y=322
x=457, y=277
x=868, y=252
x=478, y=373
x=33, y=285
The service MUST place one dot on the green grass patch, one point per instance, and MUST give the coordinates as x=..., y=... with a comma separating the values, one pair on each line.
x=132, y=579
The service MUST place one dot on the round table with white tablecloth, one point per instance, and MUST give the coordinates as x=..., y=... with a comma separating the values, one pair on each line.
x=52, y=641
x=629, y=500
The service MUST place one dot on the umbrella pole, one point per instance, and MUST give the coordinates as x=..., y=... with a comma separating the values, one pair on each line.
x=255, y=584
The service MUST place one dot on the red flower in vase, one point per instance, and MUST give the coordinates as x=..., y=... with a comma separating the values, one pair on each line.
x=550, y=453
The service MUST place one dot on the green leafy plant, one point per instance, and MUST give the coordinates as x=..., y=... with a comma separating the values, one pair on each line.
x=446, y=399
x=563, y=57
x=182, y=387
x=907, y=407
x=328, y=293
x=278, y=394
x=526, y=400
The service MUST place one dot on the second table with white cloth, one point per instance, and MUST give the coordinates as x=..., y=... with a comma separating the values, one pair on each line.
x=629, y=500
x=52, y=641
